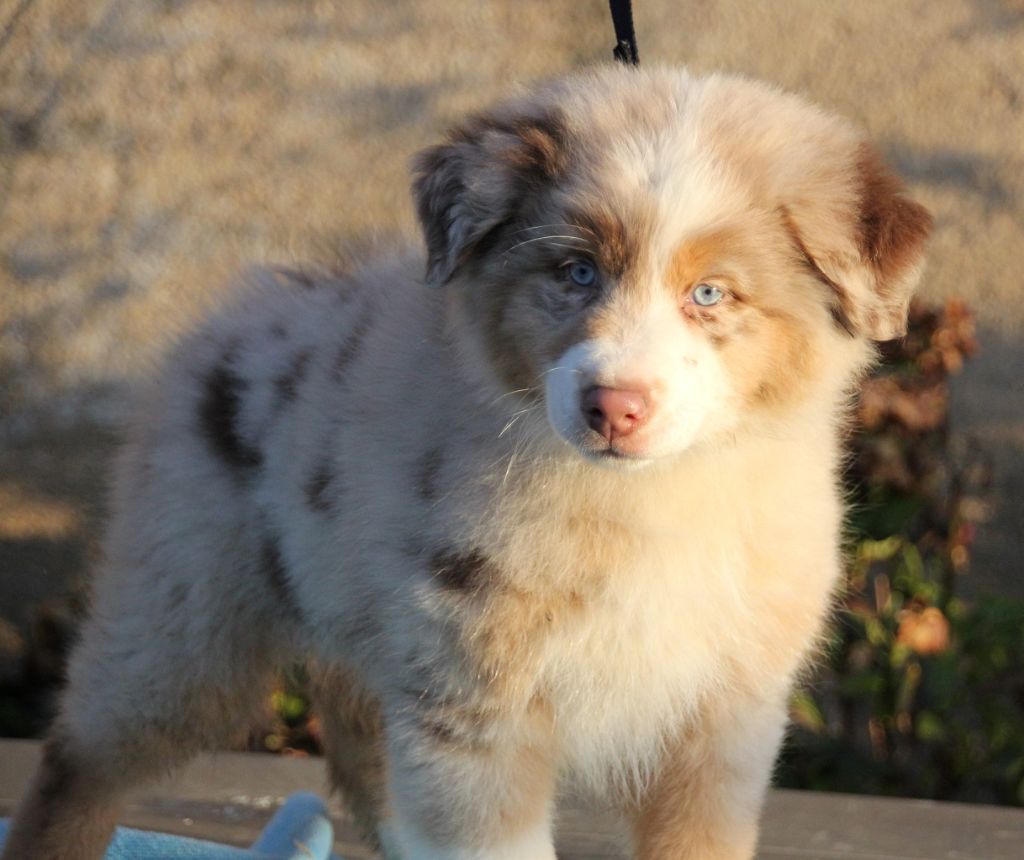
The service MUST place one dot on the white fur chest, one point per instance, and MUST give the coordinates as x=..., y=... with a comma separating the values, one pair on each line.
x=640, y=658
x=674, y=588
x=655, y=613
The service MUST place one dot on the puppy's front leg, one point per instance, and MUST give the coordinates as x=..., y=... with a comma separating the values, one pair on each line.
x=466, y=790
x=705, y=804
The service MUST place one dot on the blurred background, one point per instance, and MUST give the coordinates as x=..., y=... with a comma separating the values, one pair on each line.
x=151, y=148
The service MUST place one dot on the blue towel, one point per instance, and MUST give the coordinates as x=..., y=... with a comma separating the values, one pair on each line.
x=300, y=830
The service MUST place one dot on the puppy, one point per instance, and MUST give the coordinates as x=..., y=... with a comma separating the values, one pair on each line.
x=570, y=507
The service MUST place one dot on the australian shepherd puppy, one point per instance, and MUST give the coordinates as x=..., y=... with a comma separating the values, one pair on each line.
x=571, y=506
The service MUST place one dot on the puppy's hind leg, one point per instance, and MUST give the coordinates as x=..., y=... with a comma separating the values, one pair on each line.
x=350, y=723
x=61, y=816
x=157, y=675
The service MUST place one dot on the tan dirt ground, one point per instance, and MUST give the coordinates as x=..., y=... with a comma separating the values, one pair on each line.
x=148, y=148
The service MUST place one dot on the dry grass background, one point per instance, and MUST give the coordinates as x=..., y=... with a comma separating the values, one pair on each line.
x=148, y=148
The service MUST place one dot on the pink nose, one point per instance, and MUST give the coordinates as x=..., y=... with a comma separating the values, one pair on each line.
x=613, y=412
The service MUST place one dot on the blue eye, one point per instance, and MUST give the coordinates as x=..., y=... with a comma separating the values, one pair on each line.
x=582, y=274
x=707, y=295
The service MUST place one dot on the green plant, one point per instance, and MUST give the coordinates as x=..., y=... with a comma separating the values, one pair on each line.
x=289, y=726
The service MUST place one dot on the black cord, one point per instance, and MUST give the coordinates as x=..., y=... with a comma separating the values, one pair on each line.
x=625, y=36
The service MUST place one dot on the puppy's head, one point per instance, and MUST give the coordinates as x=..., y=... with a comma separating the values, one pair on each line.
x=666, y=259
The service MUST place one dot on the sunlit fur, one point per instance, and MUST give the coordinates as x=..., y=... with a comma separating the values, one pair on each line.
x=395, y=481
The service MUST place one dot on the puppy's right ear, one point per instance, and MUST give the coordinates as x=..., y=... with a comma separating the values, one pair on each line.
x=477, y=180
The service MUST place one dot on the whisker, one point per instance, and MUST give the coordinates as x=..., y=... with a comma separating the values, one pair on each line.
x=544, y=373
x=563, y=245
x=584, y=242
x=501, y=397
x=515, y=418
x=508, y=470
x=579, y=227
x=511, y=421
x=523, y=441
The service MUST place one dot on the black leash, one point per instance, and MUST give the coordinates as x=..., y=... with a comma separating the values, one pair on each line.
x=625, y=36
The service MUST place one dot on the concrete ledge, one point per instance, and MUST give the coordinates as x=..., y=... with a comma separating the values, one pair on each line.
x=228, y=797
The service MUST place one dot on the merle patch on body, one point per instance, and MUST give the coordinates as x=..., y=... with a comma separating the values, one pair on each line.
x=318, y=488
x=413, y=548
x=362, y=625
x=439, y=731
x=428, y=472
x=363, y=629
x=457, y=571
x=350, y=348
x=276, y=574
x=219, y=409
x=178, y=596
x=297, y=277
x=287, y=384
x=419, y=694
x=422, y=686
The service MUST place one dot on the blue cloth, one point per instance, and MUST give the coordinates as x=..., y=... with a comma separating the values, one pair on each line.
x=300, y=830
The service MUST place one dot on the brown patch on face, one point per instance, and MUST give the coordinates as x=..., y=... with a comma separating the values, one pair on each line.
x=760, y=329
x=893, y=228
x=617, y=244
x=695, y=259
x=771, y=364
x=714, y=257
x=542, y=153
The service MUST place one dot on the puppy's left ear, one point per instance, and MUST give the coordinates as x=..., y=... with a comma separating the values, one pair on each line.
x=467, y=187
x=871, y=251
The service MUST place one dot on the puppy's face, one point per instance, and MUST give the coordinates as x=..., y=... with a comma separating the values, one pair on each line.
x=665, y=260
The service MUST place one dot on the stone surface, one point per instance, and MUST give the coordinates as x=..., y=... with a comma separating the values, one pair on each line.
x=229, y=797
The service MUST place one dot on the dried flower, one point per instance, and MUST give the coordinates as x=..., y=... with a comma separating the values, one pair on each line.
x=924, y=631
